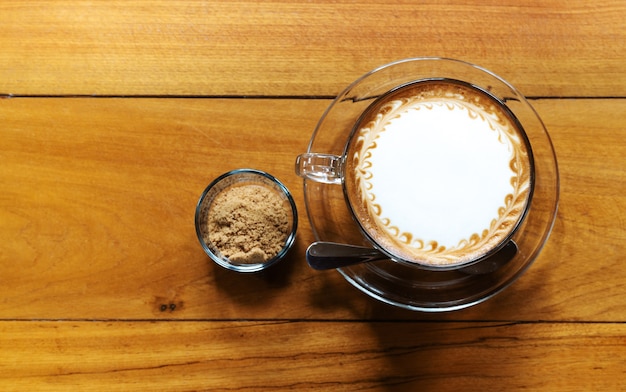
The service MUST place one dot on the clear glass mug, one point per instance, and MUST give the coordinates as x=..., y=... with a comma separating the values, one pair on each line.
x=329, y=155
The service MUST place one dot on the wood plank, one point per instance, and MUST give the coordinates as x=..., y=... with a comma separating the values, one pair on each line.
x=98, y=196
x=548, y=48
x=275, y=356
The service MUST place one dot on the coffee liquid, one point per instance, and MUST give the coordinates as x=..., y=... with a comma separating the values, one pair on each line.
x=438, y=172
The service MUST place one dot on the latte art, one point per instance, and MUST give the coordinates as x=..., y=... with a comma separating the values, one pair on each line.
x=438, y=173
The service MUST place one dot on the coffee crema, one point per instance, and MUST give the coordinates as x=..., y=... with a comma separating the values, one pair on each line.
x=438, y=172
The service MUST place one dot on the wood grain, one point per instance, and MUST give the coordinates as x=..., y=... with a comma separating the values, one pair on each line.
x=278, y=48
x=319, y=356
x=116, y=115
x=99, y=195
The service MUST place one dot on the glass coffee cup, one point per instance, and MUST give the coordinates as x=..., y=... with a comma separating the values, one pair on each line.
x=436, y=172
x=438, y=164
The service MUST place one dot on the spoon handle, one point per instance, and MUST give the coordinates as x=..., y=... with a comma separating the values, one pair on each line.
x=330, y=255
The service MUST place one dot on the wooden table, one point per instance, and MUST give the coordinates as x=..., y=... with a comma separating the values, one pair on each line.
x=116, y=115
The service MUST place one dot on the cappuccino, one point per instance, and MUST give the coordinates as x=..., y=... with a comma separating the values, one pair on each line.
x=438, y=172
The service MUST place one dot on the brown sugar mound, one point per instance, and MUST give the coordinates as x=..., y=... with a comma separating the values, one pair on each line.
x=248, y=223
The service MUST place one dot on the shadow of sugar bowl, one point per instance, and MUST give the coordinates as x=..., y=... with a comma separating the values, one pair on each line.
x=442, y=167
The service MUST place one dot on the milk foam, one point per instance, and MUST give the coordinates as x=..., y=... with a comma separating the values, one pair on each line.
x=440, y=164
x=440, y=176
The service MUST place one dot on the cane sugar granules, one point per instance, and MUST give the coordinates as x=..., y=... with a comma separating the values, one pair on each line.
x=248, y=223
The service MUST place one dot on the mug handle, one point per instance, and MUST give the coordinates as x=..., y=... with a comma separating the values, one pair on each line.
x=324, y=168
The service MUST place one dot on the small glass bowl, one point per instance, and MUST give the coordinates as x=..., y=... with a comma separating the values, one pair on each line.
x=243, y=177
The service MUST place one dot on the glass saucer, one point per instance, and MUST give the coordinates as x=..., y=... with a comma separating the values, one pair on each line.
x=408, y=286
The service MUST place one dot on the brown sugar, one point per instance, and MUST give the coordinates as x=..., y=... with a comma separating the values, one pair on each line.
x=248, y=223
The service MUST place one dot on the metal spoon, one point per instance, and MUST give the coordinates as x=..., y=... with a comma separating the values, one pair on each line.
x=329, y=255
